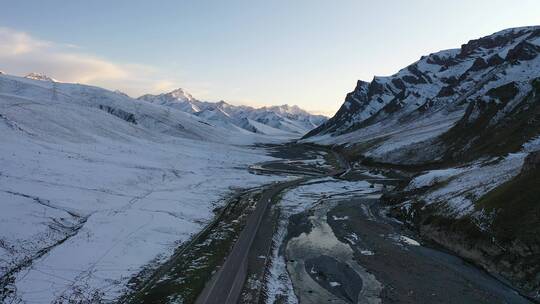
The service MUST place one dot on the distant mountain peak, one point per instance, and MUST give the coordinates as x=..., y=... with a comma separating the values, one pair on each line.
x=180, y=94
x=121, y=93
x=287, y=109
x=39, y=76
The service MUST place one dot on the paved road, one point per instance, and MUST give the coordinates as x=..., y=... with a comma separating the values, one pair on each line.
x=228, y=282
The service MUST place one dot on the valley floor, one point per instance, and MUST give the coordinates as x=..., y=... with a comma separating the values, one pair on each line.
x=336, y=243
x=325, y=237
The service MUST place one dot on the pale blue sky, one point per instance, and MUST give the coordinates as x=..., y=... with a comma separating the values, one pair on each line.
x=254, y=52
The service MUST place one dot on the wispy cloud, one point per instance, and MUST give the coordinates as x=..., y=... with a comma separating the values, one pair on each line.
x=21, y=53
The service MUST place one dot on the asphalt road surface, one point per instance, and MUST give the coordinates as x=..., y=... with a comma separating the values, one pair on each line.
x=226, y=286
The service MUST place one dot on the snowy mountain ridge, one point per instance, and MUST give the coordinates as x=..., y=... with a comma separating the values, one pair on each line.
x=178, y=98
x=39, y=76
x=428, y=97
x=277, y=119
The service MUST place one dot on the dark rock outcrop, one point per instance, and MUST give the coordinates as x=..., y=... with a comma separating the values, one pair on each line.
x=129, y=117
x=495, y=128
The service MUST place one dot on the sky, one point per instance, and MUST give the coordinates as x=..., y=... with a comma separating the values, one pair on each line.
x=304, y=52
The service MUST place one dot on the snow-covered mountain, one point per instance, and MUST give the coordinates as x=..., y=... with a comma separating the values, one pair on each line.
x=178, y=99
x=266, y=120
x=428, y=97
x=95, y=185
x=467, y=122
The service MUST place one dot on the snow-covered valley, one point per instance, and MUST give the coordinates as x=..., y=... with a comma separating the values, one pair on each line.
x=100, y=193
x=89, y=198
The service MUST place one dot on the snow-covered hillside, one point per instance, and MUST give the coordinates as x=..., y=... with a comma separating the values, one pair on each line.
x=275, y=120
x=94, y=185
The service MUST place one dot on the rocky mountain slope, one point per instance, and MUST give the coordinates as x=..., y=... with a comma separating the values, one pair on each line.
x=464, y=122
x=429, y=96
x=272, y=120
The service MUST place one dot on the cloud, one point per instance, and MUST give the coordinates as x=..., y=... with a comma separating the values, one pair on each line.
x=164, y=85
x=17, y=43
x=21, y=53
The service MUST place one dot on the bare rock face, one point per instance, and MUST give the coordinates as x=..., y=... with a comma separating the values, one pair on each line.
x=532, y=163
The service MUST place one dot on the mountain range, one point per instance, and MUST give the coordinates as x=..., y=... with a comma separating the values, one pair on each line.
x=274, y=120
